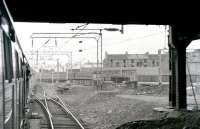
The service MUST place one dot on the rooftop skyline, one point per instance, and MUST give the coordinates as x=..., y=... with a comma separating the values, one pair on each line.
x=136, y=39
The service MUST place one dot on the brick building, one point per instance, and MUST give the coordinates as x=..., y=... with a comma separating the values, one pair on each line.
x=149, y=67
x=131, y=60
x=138, y=67
x=133, y=67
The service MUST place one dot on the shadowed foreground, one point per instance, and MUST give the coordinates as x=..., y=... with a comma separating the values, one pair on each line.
x=186, y=120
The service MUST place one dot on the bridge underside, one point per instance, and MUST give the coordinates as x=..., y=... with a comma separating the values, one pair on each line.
x=179, y=39
x=181, y=32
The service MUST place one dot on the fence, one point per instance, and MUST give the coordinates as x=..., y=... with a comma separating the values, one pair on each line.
x=152, y=78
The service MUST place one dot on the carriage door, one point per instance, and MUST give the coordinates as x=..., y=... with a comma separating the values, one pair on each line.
x=8, y=83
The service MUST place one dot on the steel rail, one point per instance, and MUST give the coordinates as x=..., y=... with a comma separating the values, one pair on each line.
x=66, y=110
x=45, y=100
x=47, y=111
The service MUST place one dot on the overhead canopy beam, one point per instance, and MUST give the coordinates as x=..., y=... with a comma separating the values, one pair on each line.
x=91, y=12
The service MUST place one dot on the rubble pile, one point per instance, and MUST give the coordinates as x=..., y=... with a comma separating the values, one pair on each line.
x=186, y=120
x=105, y=110
x=161, y=90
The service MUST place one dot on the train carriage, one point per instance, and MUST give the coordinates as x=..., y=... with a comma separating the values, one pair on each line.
x=14, y=75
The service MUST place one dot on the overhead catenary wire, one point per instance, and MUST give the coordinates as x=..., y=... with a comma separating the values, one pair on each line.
x=77, y=34
x=84, y=26
x=44, y=44
x=122, y=42
x=116, y=43
x=125, y=41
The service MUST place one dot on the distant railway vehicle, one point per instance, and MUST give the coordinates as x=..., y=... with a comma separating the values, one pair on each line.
x=14, y=75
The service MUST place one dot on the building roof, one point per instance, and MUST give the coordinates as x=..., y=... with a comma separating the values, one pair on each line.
x=137, y=56
x=153, y=56
x=117, y=56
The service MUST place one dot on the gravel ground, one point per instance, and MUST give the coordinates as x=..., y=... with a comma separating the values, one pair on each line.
x=121, y=107
x=105, y=109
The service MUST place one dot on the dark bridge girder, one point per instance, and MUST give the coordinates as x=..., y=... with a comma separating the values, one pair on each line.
x=62, y=11
x=179, y=39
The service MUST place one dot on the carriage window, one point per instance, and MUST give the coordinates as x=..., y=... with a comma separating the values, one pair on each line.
x=8, y=75
x=17, y=63
x=8, y=58
x=21, y=70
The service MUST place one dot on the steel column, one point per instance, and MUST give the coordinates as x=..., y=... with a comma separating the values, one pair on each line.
x=181, y=100
x=178, y=41
x=172, y=69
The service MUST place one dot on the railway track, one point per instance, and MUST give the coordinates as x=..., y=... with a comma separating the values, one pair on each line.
x=45, y=117
x=56, y=115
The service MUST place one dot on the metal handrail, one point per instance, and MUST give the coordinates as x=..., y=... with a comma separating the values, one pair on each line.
x=45, y=100
x=8, y=116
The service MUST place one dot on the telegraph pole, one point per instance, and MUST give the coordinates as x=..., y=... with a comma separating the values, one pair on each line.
x=65, y=36
x=100, y=34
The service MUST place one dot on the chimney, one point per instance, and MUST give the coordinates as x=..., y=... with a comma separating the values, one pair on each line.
x=106, y=54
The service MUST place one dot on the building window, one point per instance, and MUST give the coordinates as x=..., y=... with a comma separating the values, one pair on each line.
x=153, y=63
x=124, y=63
x=132, y=60
x=145, y=60
x=111, y=63
x=8, y=58
x=138, y=64
x=117, y=64
x=141, y=63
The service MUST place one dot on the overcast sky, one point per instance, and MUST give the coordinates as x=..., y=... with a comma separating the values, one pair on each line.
x=136, y=39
